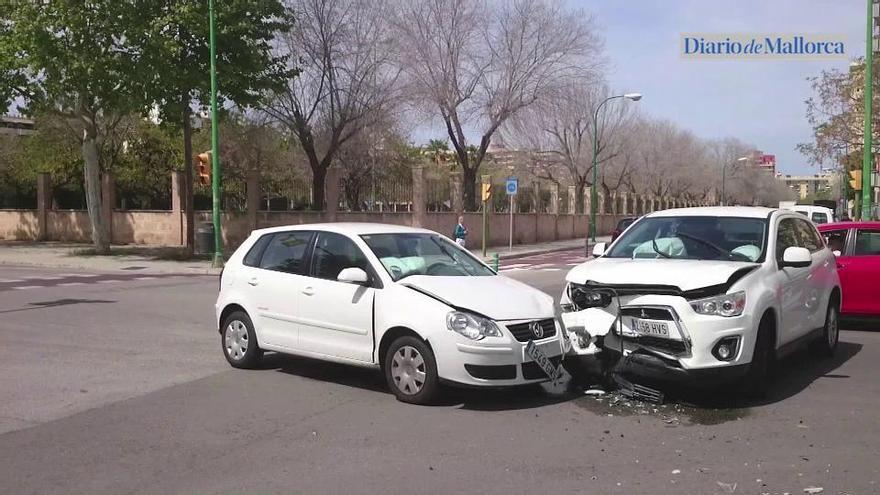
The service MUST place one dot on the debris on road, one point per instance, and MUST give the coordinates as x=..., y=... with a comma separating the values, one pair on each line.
x=727, y=487
x=813, y=490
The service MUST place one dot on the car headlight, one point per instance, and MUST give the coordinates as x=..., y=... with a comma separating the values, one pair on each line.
x=726, y=305
x=472, y=326
x=582, y=297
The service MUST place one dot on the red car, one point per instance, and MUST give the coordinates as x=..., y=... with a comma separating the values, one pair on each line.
x=857, y=246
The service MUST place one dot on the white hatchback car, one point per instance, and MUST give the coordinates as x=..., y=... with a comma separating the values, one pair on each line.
x=406, y=300
x=711, y=293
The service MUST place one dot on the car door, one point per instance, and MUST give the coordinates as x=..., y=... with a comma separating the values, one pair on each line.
x=336, y=318
x=862, y=271
x=821, y=275
x=791, y=284
x=276, y=283
x=838, y=243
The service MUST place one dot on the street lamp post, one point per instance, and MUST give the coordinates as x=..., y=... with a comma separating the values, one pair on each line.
x=594, y=198
x=724, y=176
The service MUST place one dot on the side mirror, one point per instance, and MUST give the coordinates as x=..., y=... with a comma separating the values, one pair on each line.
x=796, y=257
x=599, y=249
x=836, y=253
x=353, y=276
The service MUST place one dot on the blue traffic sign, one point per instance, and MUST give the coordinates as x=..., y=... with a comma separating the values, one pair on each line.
x=512, y=186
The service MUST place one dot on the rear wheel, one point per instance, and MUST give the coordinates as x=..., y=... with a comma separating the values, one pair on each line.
x=757, y=379
x=239, y=341
x=827, y=343
x=411, y=371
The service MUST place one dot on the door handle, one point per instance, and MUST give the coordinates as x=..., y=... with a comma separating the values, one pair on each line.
x=254, y=281
x=308, y=291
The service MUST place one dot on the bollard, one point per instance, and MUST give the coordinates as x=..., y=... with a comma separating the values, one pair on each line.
x=495, y=262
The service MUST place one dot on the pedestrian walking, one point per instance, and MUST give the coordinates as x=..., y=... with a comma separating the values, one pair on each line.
x=461, y=232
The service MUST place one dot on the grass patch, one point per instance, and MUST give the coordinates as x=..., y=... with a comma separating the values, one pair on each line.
x=153, y=253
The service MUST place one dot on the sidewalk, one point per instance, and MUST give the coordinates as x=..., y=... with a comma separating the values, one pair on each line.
x=523, y=250
x=160, y=259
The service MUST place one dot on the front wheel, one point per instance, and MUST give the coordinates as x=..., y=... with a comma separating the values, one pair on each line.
x=411, y=371
x=827, y=343
x=756, y=381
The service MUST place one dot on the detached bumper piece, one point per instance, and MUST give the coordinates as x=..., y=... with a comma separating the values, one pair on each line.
x=638, y=392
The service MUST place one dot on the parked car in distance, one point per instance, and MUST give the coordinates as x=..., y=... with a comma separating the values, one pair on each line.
x=622, y=224
x=711, y=294
x=408, y=301
x=817, y=214
x=857, y=247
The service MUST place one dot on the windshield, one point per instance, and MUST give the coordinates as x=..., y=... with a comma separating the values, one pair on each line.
x=408, y=254
x=698, y=237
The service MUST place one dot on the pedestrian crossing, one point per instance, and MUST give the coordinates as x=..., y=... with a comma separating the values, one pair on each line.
x=550, y=262
x=35, y=281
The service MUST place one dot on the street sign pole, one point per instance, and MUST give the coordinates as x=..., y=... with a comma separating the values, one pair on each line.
x=215, y=153
x=510, y=232
x=485, y=197
x=512, y=189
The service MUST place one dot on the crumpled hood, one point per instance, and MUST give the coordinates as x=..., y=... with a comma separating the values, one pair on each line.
x=684, y=274
x=497, y=297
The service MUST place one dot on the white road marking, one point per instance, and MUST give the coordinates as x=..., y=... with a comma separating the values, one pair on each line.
x=44, y=277
x=108, y=281
x=145, y=278
x=10, y=281
x=22, y=287
x=68, y=284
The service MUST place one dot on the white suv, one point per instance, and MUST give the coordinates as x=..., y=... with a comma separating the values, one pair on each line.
x=408, y=301
x=713, y=293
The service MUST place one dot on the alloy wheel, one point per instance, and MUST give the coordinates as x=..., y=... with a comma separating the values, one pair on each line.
x=408, y=370
x=236, y=340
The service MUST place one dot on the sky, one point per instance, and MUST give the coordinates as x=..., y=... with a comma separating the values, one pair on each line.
x=758, y=101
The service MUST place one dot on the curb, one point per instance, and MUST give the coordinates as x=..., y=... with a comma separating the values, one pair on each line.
x=78, y=266
x=526, y=254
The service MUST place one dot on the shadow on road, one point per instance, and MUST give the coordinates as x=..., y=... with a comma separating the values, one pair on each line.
x=476, y=399
x=56, y=303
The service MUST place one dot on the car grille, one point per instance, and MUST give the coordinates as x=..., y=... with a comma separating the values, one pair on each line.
x=648, y=313
x=664, y=345
x=531, y=370
x=523, y=333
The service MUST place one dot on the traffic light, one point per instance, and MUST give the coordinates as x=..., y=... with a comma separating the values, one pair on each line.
x=486, y=191
x=203, y=166
x=855, y=182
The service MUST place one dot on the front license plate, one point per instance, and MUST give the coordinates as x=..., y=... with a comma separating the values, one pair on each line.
x=538, y=356
x=651, y=328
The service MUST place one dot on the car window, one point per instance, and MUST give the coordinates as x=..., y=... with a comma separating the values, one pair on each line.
x=867, y=243
x=786, y=236
x=285, y=252
x=334, y=253
x=623, y=224
x=835, y=239
x=406, y=254
x=819, y=218
x=808, y=237
x=693, y=237
x=252, y=258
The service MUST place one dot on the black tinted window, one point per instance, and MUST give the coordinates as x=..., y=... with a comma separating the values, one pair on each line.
x=818, y=218
x=285, y=252
x=334, y=253
x=835, y=239
x=808, y=237
x=786, y=236
x=252, y=258
x=867, y=243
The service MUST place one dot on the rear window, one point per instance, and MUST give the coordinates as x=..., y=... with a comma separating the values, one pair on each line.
x=818, y=218
x=867, y=243
x=252, y=258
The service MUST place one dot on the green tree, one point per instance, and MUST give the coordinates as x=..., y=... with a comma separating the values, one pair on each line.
x=176, y=62
x=75, y=57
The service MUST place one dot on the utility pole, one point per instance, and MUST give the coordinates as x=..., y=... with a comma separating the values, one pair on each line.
x=867, y=158
x=215, y=145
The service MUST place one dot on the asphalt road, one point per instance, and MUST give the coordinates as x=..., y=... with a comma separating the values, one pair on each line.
x=117, y=385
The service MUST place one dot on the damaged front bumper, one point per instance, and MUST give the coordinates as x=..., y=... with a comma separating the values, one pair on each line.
x=688, y=353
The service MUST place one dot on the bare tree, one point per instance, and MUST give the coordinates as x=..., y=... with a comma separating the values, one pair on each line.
x=560, y=128
x=479, y=63
x=343, y=50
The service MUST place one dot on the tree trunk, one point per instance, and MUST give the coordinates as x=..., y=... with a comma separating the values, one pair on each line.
x=469, y=186
x=188, y=179
x=579, y=198
x=92, y=182
x=319, y=181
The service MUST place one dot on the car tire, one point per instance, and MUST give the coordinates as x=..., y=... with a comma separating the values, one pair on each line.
x=239, y=341
x=411, y=371
x=757, y=379
x=826, y=345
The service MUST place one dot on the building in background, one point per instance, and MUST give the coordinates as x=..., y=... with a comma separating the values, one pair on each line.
x=759, y=160
x=812, y=186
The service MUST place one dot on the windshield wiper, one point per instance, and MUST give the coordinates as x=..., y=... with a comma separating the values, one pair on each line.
x=718, y=249
x=657, y=250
